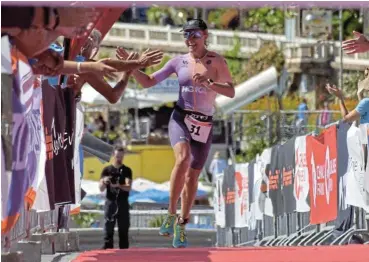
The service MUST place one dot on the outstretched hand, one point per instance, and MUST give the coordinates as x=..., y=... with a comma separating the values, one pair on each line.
x=358, y=45
x=121, y=53
x=148, y=58
x=334, y=91
x=132, y=56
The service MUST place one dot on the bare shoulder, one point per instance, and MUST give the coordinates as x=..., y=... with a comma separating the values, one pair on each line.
x=214, y=55
x=217, y=58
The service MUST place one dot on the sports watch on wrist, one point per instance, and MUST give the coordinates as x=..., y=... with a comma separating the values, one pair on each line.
x=210, y=82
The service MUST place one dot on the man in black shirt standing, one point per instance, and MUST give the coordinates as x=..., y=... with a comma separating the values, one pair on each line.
x=116, y=179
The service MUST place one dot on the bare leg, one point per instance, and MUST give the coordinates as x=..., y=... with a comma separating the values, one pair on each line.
x=189, y=191
x=182, y=153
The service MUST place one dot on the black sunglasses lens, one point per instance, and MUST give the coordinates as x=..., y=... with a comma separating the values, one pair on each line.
x=187, y=35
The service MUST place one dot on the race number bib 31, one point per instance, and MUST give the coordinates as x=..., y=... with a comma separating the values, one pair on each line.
x=199, y=130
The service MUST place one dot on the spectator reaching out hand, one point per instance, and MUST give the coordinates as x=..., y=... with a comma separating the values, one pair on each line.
x=358, y=45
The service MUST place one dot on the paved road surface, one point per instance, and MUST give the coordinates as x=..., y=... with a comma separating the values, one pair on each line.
x=91, y=239
x=351, y=253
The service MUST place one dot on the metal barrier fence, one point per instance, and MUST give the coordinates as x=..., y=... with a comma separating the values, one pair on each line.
x=151, y=216
x=290, y=228
x=30, y=222
x=271, y=126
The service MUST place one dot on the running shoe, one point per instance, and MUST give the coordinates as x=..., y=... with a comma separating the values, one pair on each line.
x=167, y=228
x=180, y=237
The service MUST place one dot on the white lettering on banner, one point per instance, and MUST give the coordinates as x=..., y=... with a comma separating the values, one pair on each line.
x=69, y=139
x=196, y=89
x=57, y=139
x=199, y=130
x=301, y=177
x=301, y=159
x=60, y=142
x=357, y=169
x=322, y=181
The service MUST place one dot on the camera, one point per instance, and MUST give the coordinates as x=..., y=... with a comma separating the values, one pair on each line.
x=114, y=178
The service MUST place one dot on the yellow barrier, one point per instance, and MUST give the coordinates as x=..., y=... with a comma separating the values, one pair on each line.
x=154, y=163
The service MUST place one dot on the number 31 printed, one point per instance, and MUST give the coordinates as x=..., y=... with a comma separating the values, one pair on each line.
x=193, y=128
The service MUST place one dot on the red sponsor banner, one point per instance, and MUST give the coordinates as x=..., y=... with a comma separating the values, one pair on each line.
x=322, y=165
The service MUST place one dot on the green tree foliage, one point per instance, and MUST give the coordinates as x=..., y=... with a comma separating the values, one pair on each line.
x=156, y=221
x=214, y=17
x=256, y=134
x=235, y=64
x=84, y=220
x=268, y=55
x=265, y=19
x=350, y=82
x=241, y=69
x=155, y=13
x=351, y=22
x=271, y=20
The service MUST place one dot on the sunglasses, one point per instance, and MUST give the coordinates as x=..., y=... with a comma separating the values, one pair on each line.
x=194, y=34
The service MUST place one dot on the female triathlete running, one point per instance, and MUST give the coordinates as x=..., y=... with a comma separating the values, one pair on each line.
x=202, y=75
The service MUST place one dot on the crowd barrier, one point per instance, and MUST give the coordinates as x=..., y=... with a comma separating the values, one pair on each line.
x=310, y=190
x=30, y=222
x=152, y=218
